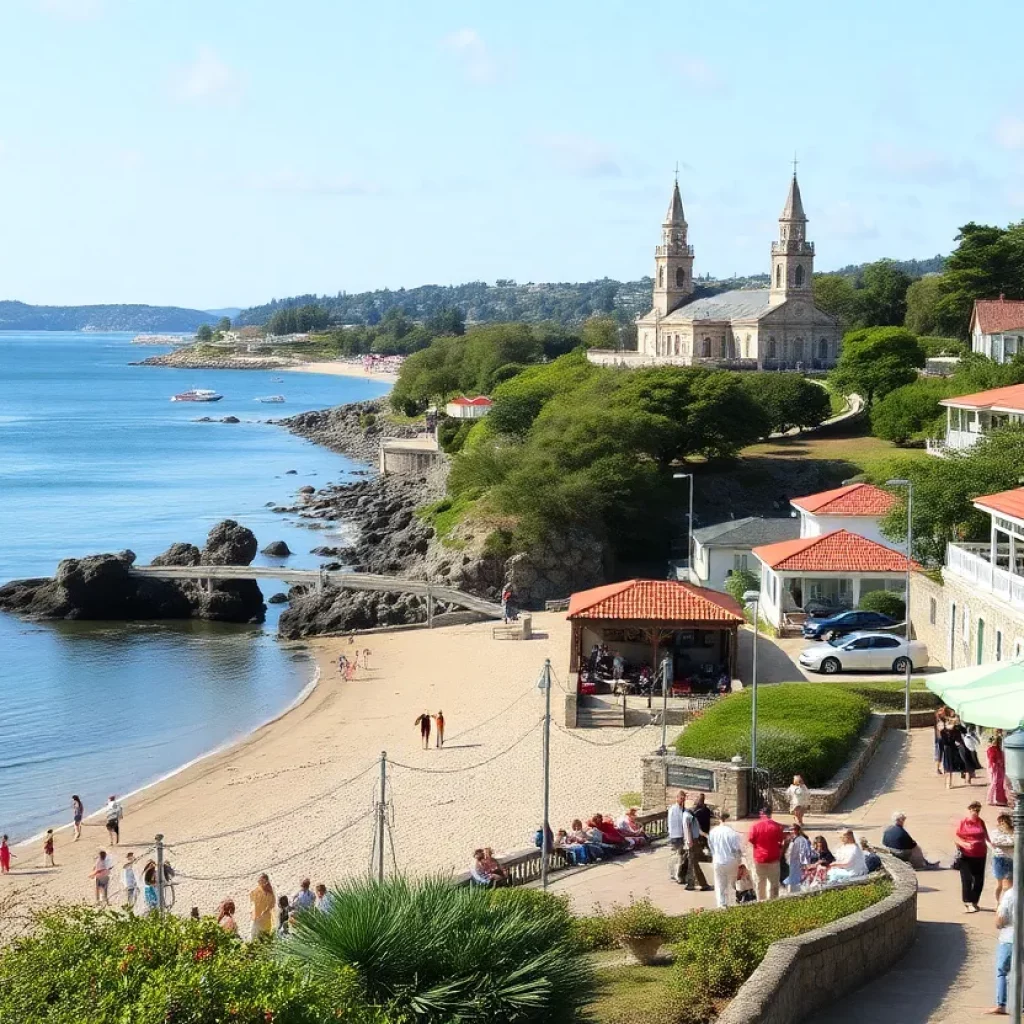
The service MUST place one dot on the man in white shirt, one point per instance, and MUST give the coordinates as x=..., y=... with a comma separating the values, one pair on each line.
x=114, y=814
x=677, y=832
x=1004, y=949
x=726, y=848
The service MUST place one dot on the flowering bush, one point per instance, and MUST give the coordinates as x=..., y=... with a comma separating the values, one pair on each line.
x=112, y=968
x=638, y=919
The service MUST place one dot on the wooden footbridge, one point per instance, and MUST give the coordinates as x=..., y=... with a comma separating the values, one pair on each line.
x=317, y=579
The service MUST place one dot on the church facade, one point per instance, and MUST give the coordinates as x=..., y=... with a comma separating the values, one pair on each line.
x=778, y=327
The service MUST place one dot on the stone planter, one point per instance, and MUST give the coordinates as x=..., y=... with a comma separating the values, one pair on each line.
x=643, y=947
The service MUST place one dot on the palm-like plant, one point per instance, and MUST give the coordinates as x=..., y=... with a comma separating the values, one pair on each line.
x=441, y=953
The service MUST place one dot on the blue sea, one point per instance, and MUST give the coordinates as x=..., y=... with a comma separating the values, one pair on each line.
x=94, y=457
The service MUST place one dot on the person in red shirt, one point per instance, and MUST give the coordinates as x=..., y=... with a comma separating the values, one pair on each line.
x=766, y=837
x=610, y=834
x=971, y=837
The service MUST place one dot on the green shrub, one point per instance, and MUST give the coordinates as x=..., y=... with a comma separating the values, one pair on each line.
x=740, y=581
x=111, y=968
x=885, y=602
x=440, y=953
x=631, y=799
x=718, y=951
x=367, y=420
x=452, y=434
x=638, y=919
x=886, y=696
x=803, y=728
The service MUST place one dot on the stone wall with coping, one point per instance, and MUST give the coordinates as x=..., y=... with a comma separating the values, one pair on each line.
x=801, y=974
x=730, y=783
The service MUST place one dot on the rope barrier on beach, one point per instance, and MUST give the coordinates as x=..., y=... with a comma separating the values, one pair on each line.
x=275, y=864
x=613, y=743
x=468, y=767
x=480, y=725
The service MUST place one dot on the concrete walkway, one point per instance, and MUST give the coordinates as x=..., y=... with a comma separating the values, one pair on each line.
x=948, y=975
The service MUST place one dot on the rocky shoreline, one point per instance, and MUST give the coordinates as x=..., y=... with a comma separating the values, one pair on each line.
x=188, y=359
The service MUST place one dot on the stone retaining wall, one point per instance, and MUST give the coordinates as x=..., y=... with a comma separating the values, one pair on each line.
x=801, y=974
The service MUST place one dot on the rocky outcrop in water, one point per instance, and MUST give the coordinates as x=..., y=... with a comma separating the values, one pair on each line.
x=354, y=430
x=333, y=610
x=277, y=549
x=101, y=587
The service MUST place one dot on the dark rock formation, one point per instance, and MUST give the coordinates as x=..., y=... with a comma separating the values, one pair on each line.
x=333, y=610
x=179, y=554
x=277, y=549
x=229, y=419
x=229, y=544
x=340, y=429
x=277, y=598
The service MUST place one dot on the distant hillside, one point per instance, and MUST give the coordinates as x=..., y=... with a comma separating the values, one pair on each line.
x=229, y=311
x=915, y=268
x=506, y=300
x=18, y=316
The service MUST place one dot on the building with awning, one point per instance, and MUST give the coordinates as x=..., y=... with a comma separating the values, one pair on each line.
x=647, y=620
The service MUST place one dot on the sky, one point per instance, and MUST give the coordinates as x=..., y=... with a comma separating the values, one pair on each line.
x=210, y=153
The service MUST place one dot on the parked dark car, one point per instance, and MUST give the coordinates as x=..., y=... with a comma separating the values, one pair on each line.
x=846, y=622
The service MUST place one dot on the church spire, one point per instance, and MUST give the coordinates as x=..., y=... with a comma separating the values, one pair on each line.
x=794, y=208
x=675, y=207
x=673, y=259
x=792, y=254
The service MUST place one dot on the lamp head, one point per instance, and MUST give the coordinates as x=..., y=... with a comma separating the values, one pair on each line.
x=1013, y=751
x=898, y=482
x=751, y=596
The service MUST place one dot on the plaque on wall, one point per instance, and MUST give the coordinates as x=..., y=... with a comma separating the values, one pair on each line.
x=683, y=776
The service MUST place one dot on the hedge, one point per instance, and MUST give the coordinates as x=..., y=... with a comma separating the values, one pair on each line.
x=884, y=696
x=803, y=728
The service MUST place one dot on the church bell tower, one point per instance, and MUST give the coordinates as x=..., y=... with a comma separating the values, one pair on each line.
x=673, y=259
x=792, y=254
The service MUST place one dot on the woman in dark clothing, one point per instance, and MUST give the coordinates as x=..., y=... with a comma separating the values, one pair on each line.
x=951, y=761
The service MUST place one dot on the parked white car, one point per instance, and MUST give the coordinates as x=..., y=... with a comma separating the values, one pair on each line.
x=864, y=652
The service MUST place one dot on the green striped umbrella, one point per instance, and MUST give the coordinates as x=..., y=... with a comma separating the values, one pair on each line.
x=987, y=695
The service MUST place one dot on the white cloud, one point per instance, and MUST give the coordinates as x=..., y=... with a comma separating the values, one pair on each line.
x=207, y=79
x=302, y=183
x=478, y=62
x=582, y=155
x=72, y=10
x=700, y=74
x=1010, y=132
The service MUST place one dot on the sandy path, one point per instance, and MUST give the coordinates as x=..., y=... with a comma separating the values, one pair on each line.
x=338, y=732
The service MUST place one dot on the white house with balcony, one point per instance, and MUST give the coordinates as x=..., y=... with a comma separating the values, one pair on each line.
x=823, y=575
x=997, y=328
x=463, y=408
x=970, y=417
x=856, y=508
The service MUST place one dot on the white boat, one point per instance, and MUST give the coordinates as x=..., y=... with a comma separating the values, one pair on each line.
x=272, y=399
x=197, y=395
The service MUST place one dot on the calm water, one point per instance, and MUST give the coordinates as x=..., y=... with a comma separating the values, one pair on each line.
x=94, y=457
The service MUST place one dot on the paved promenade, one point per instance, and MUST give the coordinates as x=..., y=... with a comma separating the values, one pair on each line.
x=948, y=975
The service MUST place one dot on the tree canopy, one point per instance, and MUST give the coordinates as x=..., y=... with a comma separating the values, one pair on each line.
x=875, y=361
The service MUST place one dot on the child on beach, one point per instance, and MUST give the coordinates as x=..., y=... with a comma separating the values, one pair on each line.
x=366, y=657
x=129, y=882
x=48, y=861
x=439, y=726
x=5, y=857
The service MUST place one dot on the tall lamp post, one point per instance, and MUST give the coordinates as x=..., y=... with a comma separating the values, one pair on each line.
x=909, y=484
x=1013, y=749
x=689, y=526
x=753, y=597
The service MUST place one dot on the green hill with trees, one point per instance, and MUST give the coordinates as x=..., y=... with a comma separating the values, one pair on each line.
x=18, y=316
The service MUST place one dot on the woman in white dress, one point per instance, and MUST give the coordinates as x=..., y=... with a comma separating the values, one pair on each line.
x=799, y=797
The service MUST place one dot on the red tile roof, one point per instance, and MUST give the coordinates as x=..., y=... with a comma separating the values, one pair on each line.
x=664, y=600
x=479, y=400
x=1008, y=399
x=997, y=315
x=838, y=551
x=851, y=500
x=1009, y=503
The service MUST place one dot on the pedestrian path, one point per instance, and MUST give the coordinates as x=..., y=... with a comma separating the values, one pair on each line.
x=949, y=974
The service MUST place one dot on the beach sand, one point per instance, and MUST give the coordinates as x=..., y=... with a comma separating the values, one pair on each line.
x=487, y=690
x=342, y=368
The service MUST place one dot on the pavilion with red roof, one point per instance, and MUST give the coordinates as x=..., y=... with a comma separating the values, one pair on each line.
x=824, y=574
x=647, y=620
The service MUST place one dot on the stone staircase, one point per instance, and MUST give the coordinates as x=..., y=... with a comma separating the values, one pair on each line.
x=599, y=713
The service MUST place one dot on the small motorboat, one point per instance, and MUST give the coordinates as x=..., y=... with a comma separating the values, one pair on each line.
x=197, y=395
x=277, y=380
x=271, y=399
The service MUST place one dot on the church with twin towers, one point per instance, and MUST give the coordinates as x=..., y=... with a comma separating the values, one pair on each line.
x=778, y=327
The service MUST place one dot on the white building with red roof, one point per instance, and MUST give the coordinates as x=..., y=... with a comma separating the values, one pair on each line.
x=824, y=574
x=857, y=508
x=463, y=408
x=997, y=328
x=970, y=417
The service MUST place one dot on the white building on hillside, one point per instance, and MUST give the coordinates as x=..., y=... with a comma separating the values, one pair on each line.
x=858, y=508
x=725, y=548
x=970, y=417
x=997, y=328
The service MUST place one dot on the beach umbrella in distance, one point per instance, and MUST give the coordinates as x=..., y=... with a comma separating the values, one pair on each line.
x=988, y=695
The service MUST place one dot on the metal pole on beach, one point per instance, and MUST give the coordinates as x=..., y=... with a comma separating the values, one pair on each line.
x=665, y=684
x=381, y=812
x=545, y=851
x=160, y=873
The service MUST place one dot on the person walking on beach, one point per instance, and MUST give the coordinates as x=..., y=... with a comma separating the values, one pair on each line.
x=77, y=813
x=129, y=883
x=114, y=814
x=424, y=723
x=971, y=838
x=263, y=902
x=366, y=657
x=48, y=861
x=101, y=877
x=439, y=728
x=5, y=857
x=996, y=772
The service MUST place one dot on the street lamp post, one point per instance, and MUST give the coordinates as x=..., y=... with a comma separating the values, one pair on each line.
x=753, y=597
x=909, y=484
x=689, y=525
x=1013, y=749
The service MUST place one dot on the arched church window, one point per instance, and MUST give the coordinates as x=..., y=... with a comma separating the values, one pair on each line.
x=799, y=275
x=746, y=347
x=772, y=348
x=778, y=275
x=723, y=348
x=680, y=277
x=823, y=349
x=661, y=277
x=706, y=348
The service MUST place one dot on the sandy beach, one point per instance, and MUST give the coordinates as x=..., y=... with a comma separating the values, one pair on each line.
x=295, y=798
x=342, y=368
